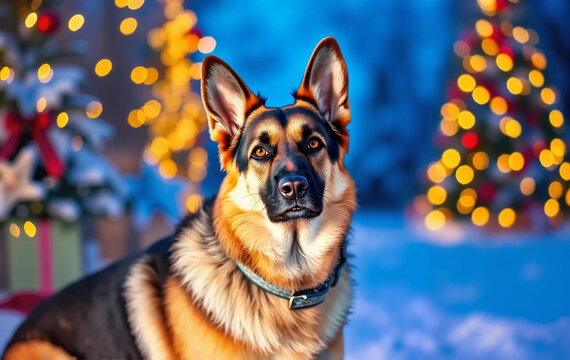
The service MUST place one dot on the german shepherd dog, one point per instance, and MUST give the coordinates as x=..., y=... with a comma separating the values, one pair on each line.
x=257, y=271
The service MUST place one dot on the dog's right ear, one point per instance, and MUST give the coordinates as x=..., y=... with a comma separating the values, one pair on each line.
x=227, y=101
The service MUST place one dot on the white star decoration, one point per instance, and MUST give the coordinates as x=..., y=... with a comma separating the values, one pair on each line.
x=16, y=183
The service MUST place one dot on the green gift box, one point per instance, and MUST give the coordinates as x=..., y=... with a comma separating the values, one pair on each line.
x=42, y=255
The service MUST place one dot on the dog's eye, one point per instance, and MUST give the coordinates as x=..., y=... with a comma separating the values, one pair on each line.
x=314, y=144
x=260, y=152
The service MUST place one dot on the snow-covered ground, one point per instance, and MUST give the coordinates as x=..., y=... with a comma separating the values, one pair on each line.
x=456, y=294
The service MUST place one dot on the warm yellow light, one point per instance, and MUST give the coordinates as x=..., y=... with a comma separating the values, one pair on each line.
x=503, y=163
x=558, y=147
x=135, y=4
x=193, y=202
x=481, y=95
x=159, y=147
x=551, y=208
x=507, y=217
x=44, y=71
x=138, y=74
x=480, y=160
x=564, y=171
x=435, y=220
x=167, y=168
x=567, y=197
x=548, y=96
x=512, y=128
x=30, y=229
x=520, y=34
x=14, y=230
x=128, y=26
x=504, y=62
x=151, y=108
x=527, y=186
x=62, y=119
x=121, y=3
x=478, y=63
x=555, y=190
x=436, y=195
x=41, y=104
x=498, y=105
x=5, y=73
x=516, y=161
x=464, y=174
x=466, y=119
x=94, y=109
x=437, y=173
x=466, y=83
x=538, y=60
x=546, y=158
x=490, y=47
x=514, y=85
x=136, y=118
x=536, y=78
x=449, y=110
x=467, y=198
x=556, y=118
x=156, y=37
x=484, y=28
x=451, y=158
x=76, y=22
x=206, y=45
x=151, y=76
x=103, y=67
x=449, y=127
x=31, y=19
x=480, y=216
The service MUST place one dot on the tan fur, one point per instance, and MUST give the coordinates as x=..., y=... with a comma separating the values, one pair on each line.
x=144, y=302
x=193, y=333
x=36, y=350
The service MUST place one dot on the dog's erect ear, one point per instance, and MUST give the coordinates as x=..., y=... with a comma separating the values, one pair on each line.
x=326, y=84
x=227, y=101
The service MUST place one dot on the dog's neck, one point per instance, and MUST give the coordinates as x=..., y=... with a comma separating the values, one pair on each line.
x=242, y=309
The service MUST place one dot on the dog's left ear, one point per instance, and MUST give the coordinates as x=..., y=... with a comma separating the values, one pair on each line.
x=227, y=100
x=326, y=84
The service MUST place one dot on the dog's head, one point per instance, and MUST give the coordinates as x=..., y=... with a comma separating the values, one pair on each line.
x=287, y=200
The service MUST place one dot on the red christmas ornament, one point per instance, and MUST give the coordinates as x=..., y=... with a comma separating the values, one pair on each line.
x=504, y=49
x=502, y=5
x=486, y=192
x=196, y=31
x=48, y=22
x=469, y=140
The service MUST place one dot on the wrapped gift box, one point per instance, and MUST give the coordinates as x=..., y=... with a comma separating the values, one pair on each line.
x=42, y=255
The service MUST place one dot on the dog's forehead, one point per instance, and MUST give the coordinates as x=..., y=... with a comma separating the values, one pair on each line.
x=297, y=121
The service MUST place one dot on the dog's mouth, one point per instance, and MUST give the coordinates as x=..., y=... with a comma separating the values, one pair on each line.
x=295, y=213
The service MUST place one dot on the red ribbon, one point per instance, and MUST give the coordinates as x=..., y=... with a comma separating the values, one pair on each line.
x=37, y=126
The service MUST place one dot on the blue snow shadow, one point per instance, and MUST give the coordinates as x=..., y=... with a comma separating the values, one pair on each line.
x=492, y=297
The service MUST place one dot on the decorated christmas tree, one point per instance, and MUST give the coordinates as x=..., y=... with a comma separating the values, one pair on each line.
x=52, y=172
x=504, y=160
x=174, y=115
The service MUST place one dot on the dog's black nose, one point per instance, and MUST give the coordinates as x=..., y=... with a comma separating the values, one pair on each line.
x=293, y=187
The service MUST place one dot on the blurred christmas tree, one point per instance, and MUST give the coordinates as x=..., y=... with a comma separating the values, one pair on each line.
x=175, y=115
x=51, y=138
x=505, y=161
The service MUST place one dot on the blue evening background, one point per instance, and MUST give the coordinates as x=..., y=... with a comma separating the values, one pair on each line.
x=462, y=292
